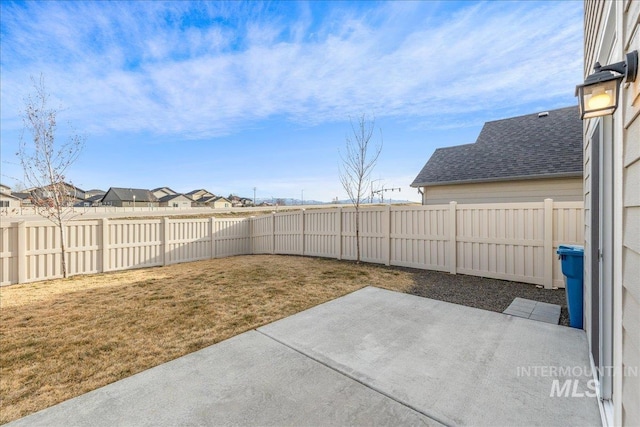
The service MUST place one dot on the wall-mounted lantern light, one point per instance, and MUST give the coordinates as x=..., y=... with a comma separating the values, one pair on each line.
x=599, y=94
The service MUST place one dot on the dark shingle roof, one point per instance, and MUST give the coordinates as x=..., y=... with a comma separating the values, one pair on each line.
x=96, y=198
x=517, y=148
x=126, y=194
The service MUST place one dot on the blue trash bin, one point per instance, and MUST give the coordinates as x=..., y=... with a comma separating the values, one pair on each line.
x=572, y=260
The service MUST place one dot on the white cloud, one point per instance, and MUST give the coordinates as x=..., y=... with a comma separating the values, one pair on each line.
x=133, y=67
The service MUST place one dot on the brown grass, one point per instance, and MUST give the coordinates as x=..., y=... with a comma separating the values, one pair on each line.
x=62, y=338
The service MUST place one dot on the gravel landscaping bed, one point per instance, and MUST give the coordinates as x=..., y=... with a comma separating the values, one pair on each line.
x=480, y=292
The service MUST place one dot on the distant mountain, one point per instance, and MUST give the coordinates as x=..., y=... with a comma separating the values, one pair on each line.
x=290, y=201
x=299, y=202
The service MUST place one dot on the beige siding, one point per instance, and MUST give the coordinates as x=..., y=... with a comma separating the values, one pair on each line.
x=593, y=10
x=12, y=202
x=561, y=190
x=612, y=29
x=631, y=225
x=221, y=204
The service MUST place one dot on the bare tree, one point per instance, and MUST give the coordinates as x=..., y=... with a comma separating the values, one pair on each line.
x=358, y=162
x=45, y=162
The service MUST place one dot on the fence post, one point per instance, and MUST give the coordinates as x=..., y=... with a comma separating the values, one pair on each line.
x=302, y=232
x=548, y=243
x=105, y=245
x=22, y=252
x=453, y=238
x=212, y=226
x=339, y=233
x=251, y=237
x=166, y=230
x=273, y=233
x=386, y=218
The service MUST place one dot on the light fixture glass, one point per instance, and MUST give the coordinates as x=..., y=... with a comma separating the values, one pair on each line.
x=599, y=94
x=599, y=99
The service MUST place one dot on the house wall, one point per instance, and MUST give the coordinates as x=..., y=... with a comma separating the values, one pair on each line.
x=7, y=201
x=629, y=244
x=110, y=199
x=612, y=28
x=178, y=203
x=535, y=190
x=219, y=204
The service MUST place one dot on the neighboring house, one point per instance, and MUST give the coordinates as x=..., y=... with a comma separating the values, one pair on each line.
x=92, y=193
x=25, y=198
x=237, y=201
x=92, y=198
x=8, y=200
x=162, y=192
x=220, y=202
x=176, y=201
x=129, y=197
x=520, y=159
x=214, y=202
x=200, y=194
x=95, y=200
x=612, y=217
x=71, y=192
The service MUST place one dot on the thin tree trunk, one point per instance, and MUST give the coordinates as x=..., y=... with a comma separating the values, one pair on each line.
x=63, y=248
x=358, y=235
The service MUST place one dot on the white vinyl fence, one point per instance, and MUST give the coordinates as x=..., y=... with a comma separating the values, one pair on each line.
x=504, y=241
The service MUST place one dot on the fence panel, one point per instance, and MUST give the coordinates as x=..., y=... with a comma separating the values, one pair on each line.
x=262, y=234
x=568, y=228
x=42, y=252
x=372, y=235
x=320, y=237
x=188, y=240
x=348, y=237
x=505, y=243
x=83, y=247
x=8, y=253
x=232, y=237
x=288, y=232
x=134, y=244
x=420, y=237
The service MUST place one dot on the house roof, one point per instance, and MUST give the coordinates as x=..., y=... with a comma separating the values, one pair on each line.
x=95, y=198
x=201, y=190
x=22, y=196
x=540, y=145
x=165, y=189
x=66, y=184
x=10, y=196
x=126, y=194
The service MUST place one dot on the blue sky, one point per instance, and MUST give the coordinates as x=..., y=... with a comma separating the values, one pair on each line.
x=231, y=96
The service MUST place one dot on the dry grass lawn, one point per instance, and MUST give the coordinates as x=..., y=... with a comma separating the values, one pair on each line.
x=62, y=338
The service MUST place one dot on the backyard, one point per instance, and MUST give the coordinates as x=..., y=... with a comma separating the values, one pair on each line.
x=62, y=338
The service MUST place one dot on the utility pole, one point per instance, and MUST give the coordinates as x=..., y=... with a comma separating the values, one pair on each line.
x=302, y=197
x=383, y=190
x=254, y=196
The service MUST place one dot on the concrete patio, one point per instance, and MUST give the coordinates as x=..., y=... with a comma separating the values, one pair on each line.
x=373, y=357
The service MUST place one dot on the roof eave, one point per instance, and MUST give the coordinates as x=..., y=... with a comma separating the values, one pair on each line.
x=498, y=179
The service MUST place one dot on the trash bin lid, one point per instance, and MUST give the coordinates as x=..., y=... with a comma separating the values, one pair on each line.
x=577, y=250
